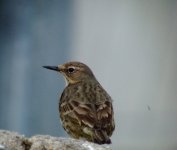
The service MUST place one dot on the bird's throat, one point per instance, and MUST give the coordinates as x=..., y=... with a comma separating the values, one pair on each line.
x=66, y=82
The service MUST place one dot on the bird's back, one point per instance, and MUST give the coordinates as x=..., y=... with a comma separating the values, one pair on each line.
x=86, y=112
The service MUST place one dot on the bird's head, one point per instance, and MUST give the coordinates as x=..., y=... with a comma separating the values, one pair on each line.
x=73, y=72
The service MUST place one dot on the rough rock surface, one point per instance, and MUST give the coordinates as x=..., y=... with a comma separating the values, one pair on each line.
x=14, y=141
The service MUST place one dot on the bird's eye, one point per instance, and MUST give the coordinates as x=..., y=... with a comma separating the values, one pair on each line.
x=71, y=69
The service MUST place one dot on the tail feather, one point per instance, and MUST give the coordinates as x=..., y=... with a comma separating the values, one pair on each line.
x=101, y=137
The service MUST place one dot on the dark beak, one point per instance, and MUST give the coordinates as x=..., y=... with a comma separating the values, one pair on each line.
x=52, y=68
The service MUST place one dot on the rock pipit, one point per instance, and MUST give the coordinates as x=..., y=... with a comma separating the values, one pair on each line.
x=85, y=108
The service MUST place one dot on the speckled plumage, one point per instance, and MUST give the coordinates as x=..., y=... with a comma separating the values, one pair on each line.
x=85, y=108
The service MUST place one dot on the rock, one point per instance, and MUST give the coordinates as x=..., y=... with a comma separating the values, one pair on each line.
x=14, y=141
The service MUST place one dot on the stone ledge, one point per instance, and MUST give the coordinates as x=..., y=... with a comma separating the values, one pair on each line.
x=14, y=141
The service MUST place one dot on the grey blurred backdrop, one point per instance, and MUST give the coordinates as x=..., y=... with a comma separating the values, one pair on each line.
x=130, y=45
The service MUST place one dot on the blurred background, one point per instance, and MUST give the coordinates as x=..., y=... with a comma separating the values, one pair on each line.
x=131, y=46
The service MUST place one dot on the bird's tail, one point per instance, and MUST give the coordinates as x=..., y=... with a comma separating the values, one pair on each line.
x=101, y=137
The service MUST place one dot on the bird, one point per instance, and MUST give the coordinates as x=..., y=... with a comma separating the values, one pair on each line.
x=85, y=108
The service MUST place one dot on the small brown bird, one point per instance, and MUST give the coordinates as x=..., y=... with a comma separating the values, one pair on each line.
x=85, y=108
